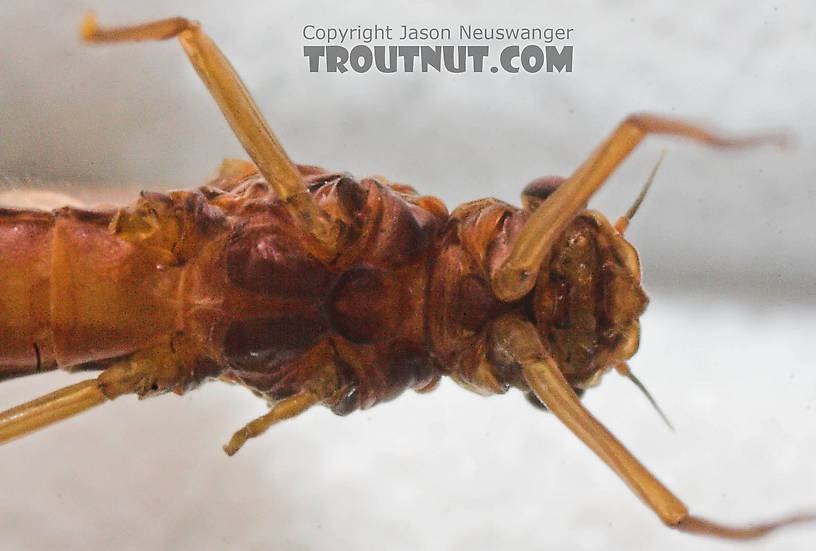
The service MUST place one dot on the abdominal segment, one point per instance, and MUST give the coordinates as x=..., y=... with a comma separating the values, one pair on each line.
x=72, y=292
x=26, y=340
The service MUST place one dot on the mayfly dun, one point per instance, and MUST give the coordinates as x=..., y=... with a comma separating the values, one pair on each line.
x=310, y=287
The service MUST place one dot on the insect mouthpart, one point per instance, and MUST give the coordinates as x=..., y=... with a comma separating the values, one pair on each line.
x=588, y=300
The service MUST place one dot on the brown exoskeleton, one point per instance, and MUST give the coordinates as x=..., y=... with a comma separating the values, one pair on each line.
x=308, y=287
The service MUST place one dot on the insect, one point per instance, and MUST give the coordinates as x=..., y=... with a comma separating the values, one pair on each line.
x=310, y=287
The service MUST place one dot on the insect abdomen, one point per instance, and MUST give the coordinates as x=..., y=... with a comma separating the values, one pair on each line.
x=72, y=292
x=26, y=341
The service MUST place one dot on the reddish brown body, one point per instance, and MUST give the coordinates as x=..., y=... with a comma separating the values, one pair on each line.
x=222, y=279
x=310, y=287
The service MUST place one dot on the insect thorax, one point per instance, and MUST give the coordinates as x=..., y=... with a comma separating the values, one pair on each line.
x=349, y=326
x=408, y=297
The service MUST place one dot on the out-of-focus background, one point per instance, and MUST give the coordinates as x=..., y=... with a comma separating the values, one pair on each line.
x=726, y=240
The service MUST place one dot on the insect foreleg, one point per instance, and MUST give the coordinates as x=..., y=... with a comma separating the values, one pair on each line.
x=241, y=112
x=520, y=340
x=285, y=409
x=517, y=274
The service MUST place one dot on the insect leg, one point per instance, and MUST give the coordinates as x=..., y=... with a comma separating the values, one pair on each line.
x=540, y=371
x=241, y=112
x=517, y=274
x=148, y=372
x=45, y=410
x=121, y=378
x=285, y=409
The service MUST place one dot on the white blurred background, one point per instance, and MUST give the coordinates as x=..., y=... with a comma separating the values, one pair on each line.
x=726, y=240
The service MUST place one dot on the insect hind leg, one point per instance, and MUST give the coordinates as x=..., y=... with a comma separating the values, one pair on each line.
x=66, y=402
x=145, y=373
x=46, y=410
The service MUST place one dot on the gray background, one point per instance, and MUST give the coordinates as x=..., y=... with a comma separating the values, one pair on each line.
x=726, y=241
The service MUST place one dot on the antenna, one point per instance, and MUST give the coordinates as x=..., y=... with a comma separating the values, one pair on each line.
x=623, y=369
x=623, y=221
